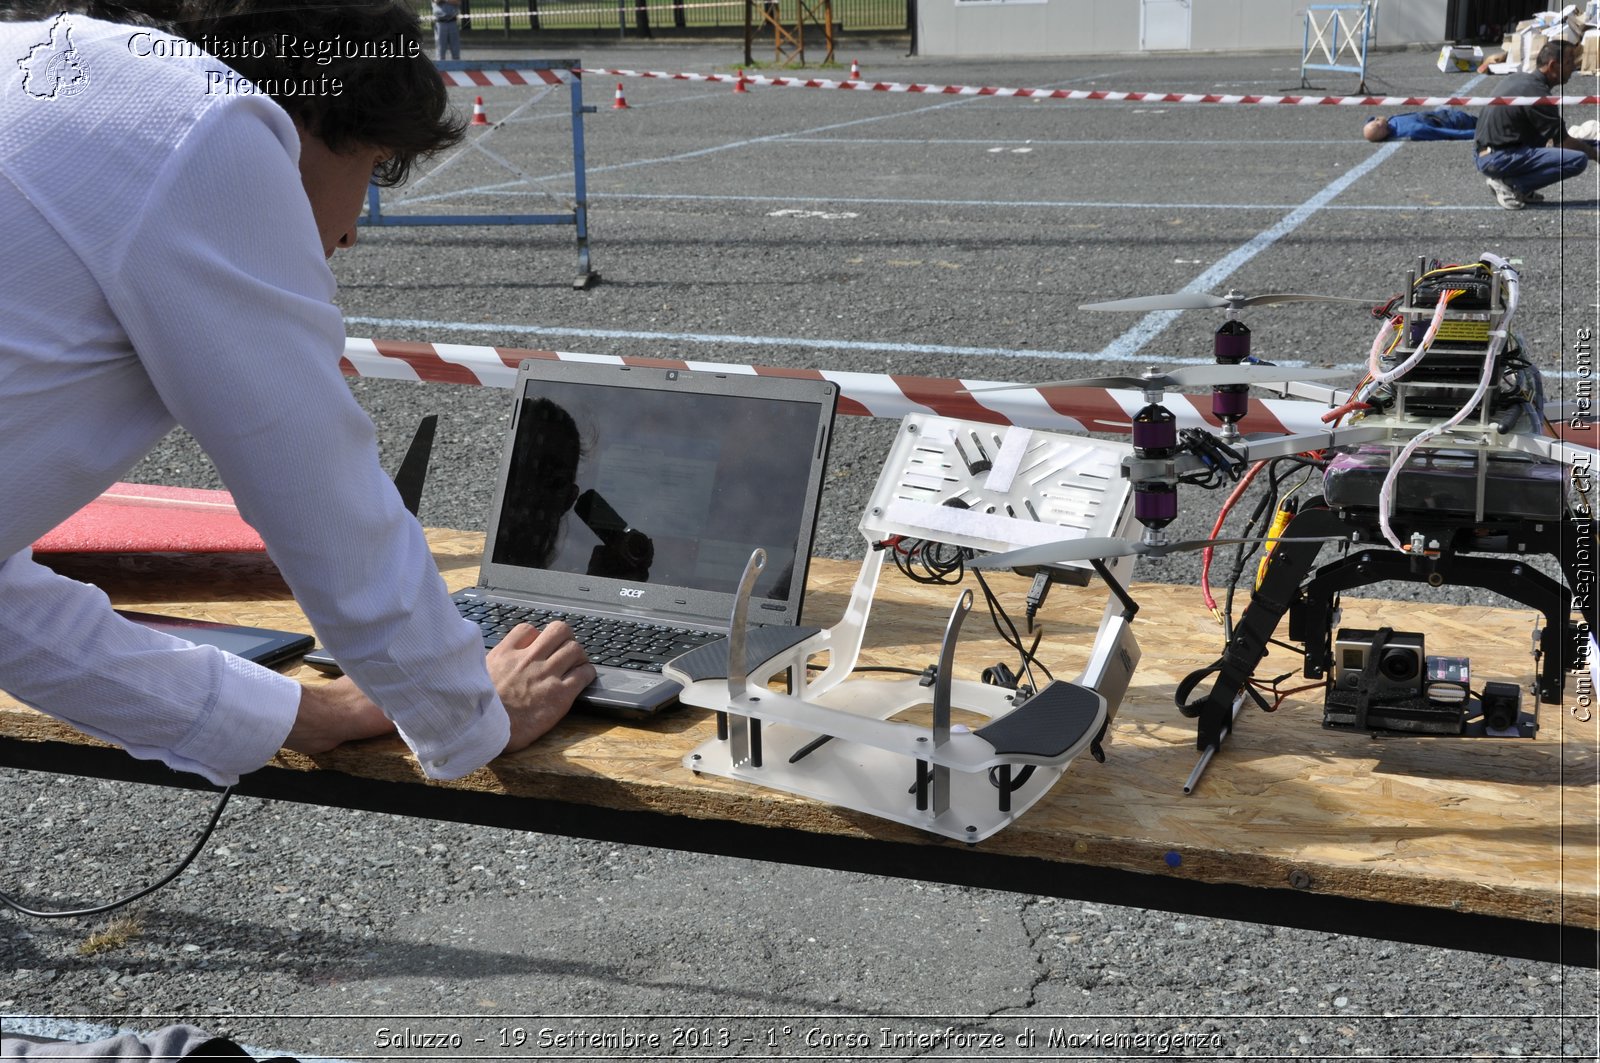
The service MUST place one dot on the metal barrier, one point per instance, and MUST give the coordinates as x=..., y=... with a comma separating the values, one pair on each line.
x=666, y=18
x=550, y=73
x=1348, y=28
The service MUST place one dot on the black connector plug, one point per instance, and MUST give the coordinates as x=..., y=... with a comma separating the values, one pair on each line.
x=1036, y=594
x=998, y=675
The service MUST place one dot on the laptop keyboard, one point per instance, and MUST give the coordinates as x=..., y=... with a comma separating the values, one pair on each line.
x=639, y=647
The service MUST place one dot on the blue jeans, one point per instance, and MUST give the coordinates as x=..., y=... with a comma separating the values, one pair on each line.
x=447, y=38
x=1530, y=169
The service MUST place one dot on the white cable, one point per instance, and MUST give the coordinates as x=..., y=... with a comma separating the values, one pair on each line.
x=1389, y=325
x=1379, y=376
x=1376, y=376
x=1496, y=345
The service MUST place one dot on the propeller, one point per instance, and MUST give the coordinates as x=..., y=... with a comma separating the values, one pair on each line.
x=1234, y=300
x=1091, y=549
x=1188, y=376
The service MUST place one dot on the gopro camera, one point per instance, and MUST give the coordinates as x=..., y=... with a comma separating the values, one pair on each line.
x=1401, y=663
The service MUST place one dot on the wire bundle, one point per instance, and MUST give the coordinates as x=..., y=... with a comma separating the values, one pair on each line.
x=1380, y=376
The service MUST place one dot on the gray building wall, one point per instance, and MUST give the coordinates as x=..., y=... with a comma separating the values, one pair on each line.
x=1115, y=27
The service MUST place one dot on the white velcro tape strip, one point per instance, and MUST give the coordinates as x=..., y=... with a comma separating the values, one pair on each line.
x=930, y=521
x=1008, y=461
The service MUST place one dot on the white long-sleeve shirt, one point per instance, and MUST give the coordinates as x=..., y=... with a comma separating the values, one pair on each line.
x=161, y=264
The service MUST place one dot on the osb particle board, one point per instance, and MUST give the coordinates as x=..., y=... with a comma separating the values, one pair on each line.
x=1492, y=826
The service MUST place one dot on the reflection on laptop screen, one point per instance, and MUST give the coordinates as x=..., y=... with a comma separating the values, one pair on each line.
x=655, y=486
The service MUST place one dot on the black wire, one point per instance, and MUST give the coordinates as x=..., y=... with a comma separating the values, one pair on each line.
x=997, y=613
x=1270, y=498
x=1211, y=478
x=1018, y=781
x=815, y=667
x=216, y=814
x=943, y=563
x=1268, y=504
x=935, y=567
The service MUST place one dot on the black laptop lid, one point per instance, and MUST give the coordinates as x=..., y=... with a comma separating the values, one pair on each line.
x=644, y=490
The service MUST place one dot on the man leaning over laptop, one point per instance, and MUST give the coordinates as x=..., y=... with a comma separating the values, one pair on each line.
x=176, y=222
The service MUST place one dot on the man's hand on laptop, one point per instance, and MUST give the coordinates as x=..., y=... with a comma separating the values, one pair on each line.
x=539, y=673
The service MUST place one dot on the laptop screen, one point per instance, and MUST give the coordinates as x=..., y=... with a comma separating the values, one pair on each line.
x=661, y=478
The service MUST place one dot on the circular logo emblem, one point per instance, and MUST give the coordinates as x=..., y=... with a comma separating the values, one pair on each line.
x=68, y=74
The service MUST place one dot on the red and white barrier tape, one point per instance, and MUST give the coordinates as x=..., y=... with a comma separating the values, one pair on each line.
x=862, y=394
x=1086, y=94
x=868, y=394
x=486, y=77
x=482, y=78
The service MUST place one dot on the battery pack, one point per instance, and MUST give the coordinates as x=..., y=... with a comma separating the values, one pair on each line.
x=1407, y=715
x=1434, y=481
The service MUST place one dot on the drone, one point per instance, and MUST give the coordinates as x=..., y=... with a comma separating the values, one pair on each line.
x=1445, y=466
x=1437, y=467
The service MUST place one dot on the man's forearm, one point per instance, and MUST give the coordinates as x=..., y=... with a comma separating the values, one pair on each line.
x=331, y=713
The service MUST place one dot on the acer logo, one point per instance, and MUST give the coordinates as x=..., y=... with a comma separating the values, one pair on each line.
x=631, y=592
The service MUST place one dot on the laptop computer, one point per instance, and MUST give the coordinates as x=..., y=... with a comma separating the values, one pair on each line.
x=629, y=500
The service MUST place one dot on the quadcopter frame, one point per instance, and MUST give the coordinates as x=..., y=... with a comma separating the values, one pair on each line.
x=1444, y=538
x=1452, y=323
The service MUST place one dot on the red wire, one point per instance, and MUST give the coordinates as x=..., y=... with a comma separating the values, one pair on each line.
x=1282, y=695
x=1222, y=515
x=1339, y=411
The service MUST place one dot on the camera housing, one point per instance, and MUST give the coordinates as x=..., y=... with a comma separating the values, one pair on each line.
x=1401, y=667
x=1502, y=706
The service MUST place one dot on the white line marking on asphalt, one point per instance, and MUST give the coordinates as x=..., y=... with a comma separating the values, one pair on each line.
x=714, y=338
x=430, y=327
x=589, y=171
x=1153, y=324
x=828, y=215
x=1101, y=142
x=1127, y=345
x=514, y=189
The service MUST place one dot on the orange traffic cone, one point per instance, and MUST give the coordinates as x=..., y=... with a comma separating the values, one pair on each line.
x=479, y=115
x=855, y=71
x=738, y=86
x=621, y=102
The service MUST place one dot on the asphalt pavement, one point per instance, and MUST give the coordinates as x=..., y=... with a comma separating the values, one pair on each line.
x=902, y=233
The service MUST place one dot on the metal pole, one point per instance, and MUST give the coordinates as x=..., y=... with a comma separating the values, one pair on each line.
x=749, y=31
x=580, y=186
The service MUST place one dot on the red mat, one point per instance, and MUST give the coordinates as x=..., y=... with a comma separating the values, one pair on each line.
x=143, y=518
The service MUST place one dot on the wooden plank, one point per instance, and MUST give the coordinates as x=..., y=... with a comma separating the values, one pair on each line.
x=1503, y=828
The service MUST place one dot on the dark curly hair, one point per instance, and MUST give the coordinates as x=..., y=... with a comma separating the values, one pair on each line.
x=395, y=103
